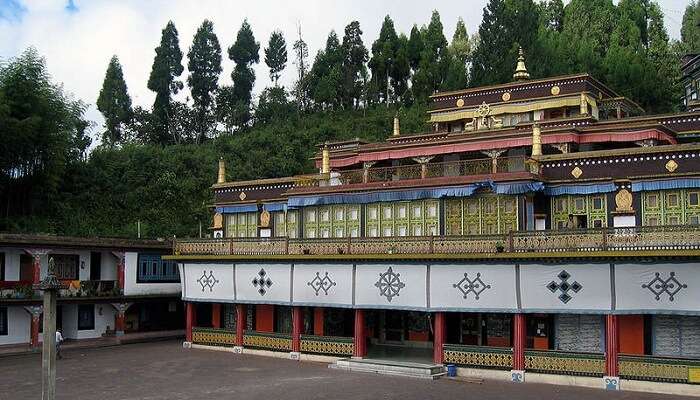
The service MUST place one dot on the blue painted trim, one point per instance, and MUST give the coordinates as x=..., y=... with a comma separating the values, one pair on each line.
x=557, y=190
x=237, y=209
x=665, y=184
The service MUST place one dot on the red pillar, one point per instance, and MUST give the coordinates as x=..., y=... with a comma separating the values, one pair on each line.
x=612, y=342
x=439, y=338
x=119, y=323
x=36, y=269
x=190, y=320
x=318, y=321
x=120, y=271
x=216, y=315
x=519, y=339
x=240, y=323
x=34, y=330
x=297, y=323
x=359, y=339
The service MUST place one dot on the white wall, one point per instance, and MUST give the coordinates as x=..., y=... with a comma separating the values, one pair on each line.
x=12, y=256
x=18, y=325
x=131, y=287
x=70, y=321
x=108, y=270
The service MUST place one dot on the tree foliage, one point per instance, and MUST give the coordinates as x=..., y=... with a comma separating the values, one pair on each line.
x=205, y=67
x=167, y=67
x=244, y=52
x=114, y=103
x=43, y=136
x=276, y=55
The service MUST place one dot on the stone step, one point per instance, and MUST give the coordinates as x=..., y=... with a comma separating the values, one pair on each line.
x=390, y=367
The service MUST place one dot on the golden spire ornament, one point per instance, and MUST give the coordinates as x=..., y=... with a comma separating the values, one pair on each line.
x=521, y=73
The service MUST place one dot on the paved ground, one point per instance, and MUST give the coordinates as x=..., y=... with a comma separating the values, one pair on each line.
x=164, y=371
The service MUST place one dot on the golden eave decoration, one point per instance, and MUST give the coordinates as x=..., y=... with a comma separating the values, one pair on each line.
x=576, y=172
x=460, y=102
x=242, y=196
x=671, y=166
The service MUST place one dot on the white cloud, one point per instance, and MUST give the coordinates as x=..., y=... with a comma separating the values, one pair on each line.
x=78, y=45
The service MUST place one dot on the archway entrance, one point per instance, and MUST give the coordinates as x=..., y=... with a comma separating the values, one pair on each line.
x=400, y=335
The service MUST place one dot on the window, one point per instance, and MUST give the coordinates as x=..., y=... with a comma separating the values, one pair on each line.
x=694, y=199
x=652, y=201
x=86, y=317
x=3, y=321
x=2, y=266
x=672, y=200
x=597, y=203
x=153, y=269
x=66, y=266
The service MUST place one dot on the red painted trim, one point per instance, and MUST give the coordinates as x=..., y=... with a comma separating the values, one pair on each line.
x=572, y=137
x=297, y=324
x=120, y=272
x=190, y=320
x=240, y=323
x=264, y=318
x=519, y=339
x=318, y=321
x=439, y=339
x=119, y=322
x=215, y=315
x=612, y=343
x=36, y=270
x=359, y=338
x=34, y=331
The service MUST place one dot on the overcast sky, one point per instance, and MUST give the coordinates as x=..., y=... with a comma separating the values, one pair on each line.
x=78, y=37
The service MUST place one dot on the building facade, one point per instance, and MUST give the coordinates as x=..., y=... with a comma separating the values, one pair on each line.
x=546, y=226
x=113, y=287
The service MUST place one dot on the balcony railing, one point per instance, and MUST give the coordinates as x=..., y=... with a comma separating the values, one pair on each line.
x=434, y=170
x=685, y=237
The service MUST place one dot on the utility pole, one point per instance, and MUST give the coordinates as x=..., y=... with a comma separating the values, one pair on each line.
x=50, y=286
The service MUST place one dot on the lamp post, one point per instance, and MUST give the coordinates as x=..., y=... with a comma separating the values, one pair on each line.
x=50, y=286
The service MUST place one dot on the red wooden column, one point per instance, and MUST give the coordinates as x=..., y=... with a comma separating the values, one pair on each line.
x=439, y=338
x=120, y=270
x=215, y=315
x=36, y=269
x=297, y=323
x=240, y=323
x=119, y=323
x=318, y=321
x=519, y=339
x=190, y=320
x=359, y=339
x=612, y=343
x=34, y=339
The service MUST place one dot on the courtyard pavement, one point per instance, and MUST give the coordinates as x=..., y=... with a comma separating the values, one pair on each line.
x=164, y=370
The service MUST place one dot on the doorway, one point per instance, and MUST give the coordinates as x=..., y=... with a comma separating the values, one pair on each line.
x=95, y=266
x=400, y=335
x=26, y=268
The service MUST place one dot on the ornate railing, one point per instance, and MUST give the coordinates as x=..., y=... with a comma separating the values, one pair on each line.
x=478, y=356
x=565, y=363
x=333, y=345
x=480, y=166
x=659, y=369
x=213, y=337
x=686, y=237
x=267, y=340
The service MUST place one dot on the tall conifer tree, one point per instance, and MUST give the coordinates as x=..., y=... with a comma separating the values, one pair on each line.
x=204, y=66
x=276, y=55
x=167, y=67
x=244, y=52
x=114, y=103
x=354, y=59
x=382, y=61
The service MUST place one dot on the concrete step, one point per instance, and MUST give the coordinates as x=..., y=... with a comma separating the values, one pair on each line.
x=391, y=367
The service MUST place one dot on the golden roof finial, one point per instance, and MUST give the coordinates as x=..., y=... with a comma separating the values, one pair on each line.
x=325, y=159
x=222, y=171
x=397, y=130
x=520, y=70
